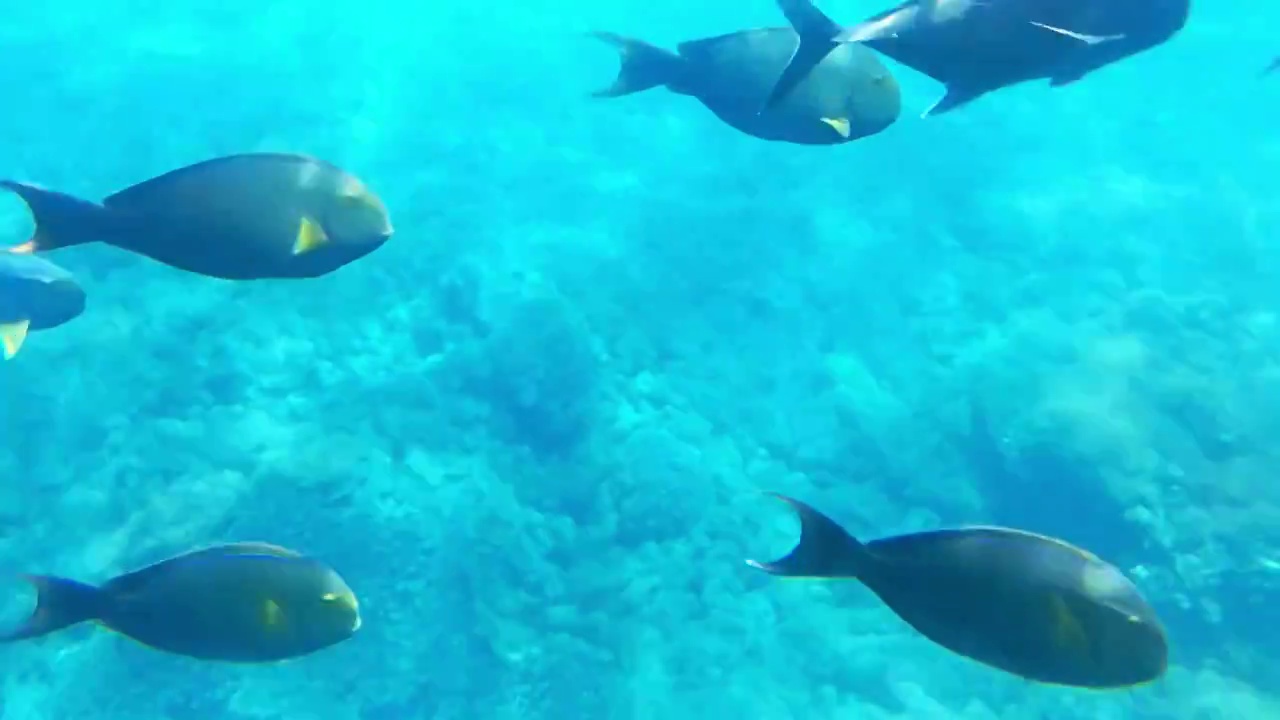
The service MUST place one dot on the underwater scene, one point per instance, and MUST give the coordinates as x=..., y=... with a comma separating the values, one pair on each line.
x=640, y=359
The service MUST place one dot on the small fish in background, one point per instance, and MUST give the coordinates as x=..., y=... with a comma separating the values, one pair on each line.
x=849, y=93
x=976, y=46
x=243, y=602
x=1026, y=604
x=240, y=217
x=1274, y=66
x=35, y=295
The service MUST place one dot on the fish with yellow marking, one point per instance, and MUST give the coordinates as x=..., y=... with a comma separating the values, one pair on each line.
x=35, y=294
x=240, y=217
x=974, y=47
x=1027, y=604
x=243, y=602
x=850, y=94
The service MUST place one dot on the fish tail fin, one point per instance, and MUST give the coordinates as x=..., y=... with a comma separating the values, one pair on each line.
x=825, y=549
x=61, y=220
x=643, y=66
x=61, y=603
x=817, y=38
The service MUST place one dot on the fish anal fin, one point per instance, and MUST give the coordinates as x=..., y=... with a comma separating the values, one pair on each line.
x=953, y=98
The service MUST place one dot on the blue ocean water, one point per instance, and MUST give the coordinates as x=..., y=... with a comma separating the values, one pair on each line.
x=533, y=430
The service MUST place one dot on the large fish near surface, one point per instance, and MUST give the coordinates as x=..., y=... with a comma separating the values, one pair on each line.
x=848, y=93
x=35, y=295
x=1027, y=604
x=976, y=46
x=241, y=602
x=241, y=217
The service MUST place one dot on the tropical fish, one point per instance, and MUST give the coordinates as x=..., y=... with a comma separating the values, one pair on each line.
x=243, y=602
x=976, y=46
x=1027, y=604
x=240, y=217
x=35, y=295
x=848, y=94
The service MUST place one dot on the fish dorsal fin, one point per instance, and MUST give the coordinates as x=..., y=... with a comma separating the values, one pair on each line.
x=705, y=47
x=141, y=193
x=253, y=548
x=131, y=581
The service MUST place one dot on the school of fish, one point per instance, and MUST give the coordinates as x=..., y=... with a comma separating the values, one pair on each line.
x=1029, y=605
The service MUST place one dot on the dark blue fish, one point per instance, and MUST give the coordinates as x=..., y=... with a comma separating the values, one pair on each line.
x=1027, y=604
x=848, y=93
x=244, y=602
x=976, y=46
x=239, y=217
x=35, y=295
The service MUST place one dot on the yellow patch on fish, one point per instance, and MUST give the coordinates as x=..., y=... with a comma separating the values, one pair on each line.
x=272, y=615
x=12, y=335
x=1068, y=633
x=26, y=248
x=840, y=125
x=310, y=236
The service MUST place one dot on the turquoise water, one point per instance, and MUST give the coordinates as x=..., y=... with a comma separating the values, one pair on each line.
x=533, y=429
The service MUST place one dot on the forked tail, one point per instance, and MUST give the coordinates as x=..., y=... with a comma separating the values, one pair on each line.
x=61, y=603
x=825, y=549
x=643, y=66
x=61, y=220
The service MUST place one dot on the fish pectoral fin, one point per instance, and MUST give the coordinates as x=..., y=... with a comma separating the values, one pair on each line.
x=310, y=236
x=1086, y=39
x=272, y=615
x=12, y=335
x=1068, y=633
x=840, y=125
